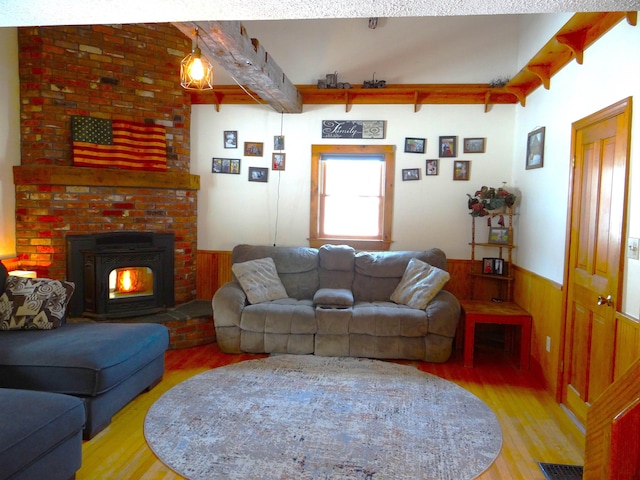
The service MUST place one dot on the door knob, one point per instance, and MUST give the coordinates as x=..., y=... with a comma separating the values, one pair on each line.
x=608, y=300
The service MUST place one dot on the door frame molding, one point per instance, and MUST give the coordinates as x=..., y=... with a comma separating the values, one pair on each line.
x=622, y=107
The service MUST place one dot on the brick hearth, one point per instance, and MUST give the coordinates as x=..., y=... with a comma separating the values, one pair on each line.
x=128, y=72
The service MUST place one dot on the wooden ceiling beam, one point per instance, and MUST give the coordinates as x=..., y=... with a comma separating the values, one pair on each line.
x=246, y=61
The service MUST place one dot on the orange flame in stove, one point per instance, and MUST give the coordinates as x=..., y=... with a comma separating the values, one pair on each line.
x=127, y=281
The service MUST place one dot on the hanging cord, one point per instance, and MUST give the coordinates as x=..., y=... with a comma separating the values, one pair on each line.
x=275, y=237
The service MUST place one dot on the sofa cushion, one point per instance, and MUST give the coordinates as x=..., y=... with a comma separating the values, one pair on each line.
x=297, y=266
x=388, y=319
x=377, y=274
x=259, y=280
x=34, y=425
x=34, y=303
x=420, y=283
x=289, y=316
x=333, y=298
x=336, y=266
x=84, y=359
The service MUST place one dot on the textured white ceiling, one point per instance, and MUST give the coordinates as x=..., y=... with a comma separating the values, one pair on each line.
x=71, y=12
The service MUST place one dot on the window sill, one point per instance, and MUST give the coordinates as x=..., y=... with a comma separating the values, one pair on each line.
x=365, y=245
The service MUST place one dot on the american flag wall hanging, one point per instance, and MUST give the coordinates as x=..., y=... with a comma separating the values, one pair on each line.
x=98, y=142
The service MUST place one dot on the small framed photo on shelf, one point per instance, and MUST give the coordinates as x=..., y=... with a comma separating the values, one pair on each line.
x=278, y=161
x=258, y=174
x=461, y=169
x=414, y=145
x=487, y=266
x=535, y=149
x=410, y=174
x=499, y=236
x=432, y=167
x=225, y=165
x=473, y=145
x=448, y=147
x=253, y=149
x=230, y=139
x=498, y=266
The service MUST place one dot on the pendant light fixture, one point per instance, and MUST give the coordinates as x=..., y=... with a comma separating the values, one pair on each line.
x=195, y=71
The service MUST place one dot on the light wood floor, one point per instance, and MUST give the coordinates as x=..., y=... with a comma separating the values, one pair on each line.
x=535, y=428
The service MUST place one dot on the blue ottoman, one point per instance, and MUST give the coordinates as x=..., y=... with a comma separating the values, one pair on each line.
x=41, y=435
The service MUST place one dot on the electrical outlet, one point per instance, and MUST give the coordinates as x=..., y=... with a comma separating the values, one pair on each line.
x=632, y=248
x=548, y=347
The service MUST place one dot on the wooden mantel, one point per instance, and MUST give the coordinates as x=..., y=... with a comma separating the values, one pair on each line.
x=103, y=177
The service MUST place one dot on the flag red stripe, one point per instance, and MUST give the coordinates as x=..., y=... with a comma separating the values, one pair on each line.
x=91, y=149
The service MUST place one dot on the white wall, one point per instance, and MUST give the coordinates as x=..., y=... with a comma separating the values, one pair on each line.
x=429, y=212
x=610, y=73
x=9, y=137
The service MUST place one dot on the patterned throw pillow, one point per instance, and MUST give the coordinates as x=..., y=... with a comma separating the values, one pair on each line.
x=34, y=303
x=420, y=283
x=259, y=279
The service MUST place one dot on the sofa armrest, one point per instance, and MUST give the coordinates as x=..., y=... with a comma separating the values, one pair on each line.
x=228, y=303
x=443, y=313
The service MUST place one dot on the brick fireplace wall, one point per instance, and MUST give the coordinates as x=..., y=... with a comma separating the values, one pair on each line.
x=127, y=72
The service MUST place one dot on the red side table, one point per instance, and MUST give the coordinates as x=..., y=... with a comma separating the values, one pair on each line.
x=501, y=313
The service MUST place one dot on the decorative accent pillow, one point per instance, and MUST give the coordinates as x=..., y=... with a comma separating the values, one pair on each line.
x=34, y=303
x=420, y=283
x=259, y=279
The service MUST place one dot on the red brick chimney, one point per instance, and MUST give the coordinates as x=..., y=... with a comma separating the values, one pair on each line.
x=126, y=72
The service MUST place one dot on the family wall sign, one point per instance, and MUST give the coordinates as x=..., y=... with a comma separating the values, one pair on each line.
x=367, y=129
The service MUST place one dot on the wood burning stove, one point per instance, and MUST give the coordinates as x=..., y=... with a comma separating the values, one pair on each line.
x=120, y=274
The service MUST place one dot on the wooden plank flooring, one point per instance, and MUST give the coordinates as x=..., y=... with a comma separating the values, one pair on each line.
x=535, y=428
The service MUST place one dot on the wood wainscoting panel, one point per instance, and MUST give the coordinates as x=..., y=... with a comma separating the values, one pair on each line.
x=627, y=344
x=460, y=282
x=213, y=269
x=542, y=298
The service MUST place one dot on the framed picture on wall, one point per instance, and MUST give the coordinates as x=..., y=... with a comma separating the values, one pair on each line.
x=225, y=165
x=473, y=145
x=448, y=147
x=535, y=149
x=230, y=139
x=410, y=174
x=461, y=169
x=278, y=161
x=253, y=149
x=258, y=174
x=414, y=145
x=278, y=142
x=432, y=167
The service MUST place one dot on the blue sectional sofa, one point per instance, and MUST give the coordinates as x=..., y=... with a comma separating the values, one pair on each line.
x=100, y=366
x=41, y=435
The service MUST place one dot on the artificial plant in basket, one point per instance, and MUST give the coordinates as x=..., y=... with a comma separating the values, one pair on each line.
x=489, y=198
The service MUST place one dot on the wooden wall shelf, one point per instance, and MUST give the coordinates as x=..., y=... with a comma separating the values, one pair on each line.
x=570, y=42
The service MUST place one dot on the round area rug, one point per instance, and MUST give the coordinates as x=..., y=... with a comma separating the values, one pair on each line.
x=308, y=417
